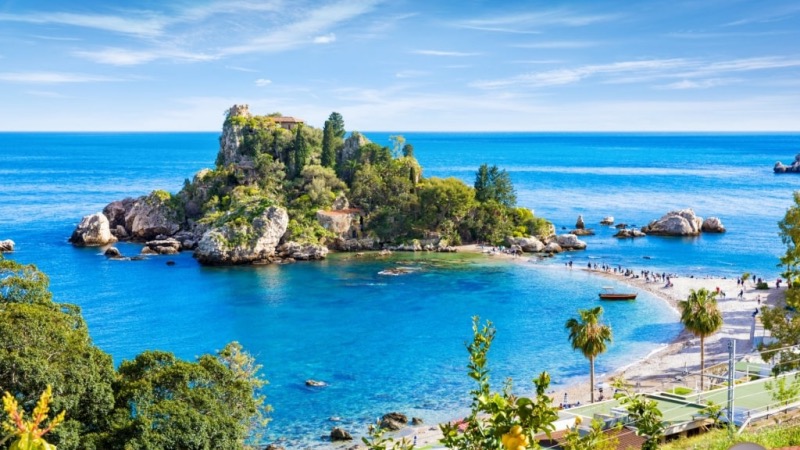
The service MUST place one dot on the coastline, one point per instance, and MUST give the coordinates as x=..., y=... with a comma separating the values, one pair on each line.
x=675, y=363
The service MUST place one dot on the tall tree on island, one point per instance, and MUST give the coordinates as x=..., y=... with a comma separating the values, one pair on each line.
x=337, y=122
x=301, y=150
x=590, y=337
x=491, y=183
x=328, y=145
x=700, y=315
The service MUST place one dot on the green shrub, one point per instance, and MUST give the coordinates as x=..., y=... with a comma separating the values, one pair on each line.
x=762, y=286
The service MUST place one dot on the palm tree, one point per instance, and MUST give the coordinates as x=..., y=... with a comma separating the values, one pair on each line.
x=702, y=317
x=590, y=337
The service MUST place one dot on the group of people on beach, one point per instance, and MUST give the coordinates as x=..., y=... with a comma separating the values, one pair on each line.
x=648, y=276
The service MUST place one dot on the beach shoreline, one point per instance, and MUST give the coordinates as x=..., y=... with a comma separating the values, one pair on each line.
x=676, y=363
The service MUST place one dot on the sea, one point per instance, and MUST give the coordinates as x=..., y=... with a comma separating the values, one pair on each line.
x=397, y=343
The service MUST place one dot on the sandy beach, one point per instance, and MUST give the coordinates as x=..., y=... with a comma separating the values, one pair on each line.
x=677, y=363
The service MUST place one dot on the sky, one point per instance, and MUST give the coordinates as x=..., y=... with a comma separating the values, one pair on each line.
x=398, y=65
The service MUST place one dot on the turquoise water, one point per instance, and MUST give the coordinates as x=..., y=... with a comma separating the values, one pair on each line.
x=397, y=343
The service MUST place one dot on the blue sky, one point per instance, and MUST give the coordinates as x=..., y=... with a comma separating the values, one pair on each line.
x=402, y=65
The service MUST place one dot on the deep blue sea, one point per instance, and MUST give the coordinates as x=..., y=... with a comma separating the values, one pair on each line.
x=397, y=343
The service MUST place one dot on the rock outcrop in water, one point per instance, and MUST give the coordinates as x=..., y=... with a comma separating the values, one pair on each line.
x=6, y=246
x=682, y=222
x=713, y=225
x=793, y=168
x=92, y=231
x=243, y=243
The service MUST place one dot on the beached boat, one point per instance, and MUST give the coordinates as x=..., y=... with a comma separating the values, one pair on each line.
x=609, y=294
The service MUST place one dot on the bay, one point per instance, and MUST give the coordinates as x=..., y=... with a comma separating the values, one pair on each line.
x=397, y=343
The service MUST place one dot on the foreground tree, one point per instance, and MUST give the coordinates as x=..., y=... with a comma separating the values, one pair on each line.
x=643, y=414
x=164, y=403
x=590, y=337
x=700, y=315
x=499, y=419
x=790, y=235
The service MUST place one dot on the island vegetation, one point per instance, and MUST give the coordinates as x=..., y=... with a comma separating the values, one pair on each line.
x=278, y=182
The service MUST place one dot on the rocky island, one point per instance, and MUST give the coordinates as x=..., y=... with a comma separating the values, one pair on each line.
x=792, y=168
x=283, y=191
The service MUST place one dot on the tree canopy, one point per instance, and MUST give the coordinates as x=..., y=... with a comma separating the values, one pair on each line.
x=493, y=184
x=700, y=315
x=590, y=337
x=154, y=402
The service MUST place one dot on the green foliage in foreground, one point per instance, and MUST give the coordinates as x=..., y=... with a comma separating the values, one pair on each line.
x=496, y=418
x=790, y=235
x=769, y=437
x=154, y=402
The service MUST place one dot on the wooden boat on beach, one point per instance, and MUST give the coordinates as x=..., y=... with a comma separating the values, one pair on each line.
x=609, y=294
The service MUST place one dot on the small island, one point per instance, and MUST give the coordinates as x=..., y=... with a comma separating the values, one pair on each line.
x=283, y=191
x=794, y=167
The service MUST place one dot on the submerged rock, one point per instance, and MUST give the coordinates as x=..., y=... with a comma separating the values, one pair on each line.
x=676, y=223
x=92, y=231
x=629, y=233
x=338, y=434
x=394, y=421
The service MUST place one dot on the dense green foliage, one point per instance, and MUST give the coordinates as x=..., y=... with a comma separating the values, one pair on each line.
x=700, y=315
x=590, y=337
x=498, y=419
x=307, y=168
x=643, y=413
x=153, y=402
x=790, y=235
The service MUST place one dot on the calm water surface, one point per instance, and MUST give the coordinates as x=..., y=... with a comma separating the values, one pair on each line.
x=397, y=343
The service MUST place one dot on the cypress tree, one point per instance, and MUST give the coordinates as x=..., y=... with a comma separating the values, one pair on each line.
x=328, y=144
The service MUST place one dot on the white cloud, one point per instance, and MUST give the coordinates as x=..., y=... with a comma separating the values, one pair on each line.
x=697, y=84
x=410, y=74
x=559, y=44
x=442, y=53
x=261, y=82
x=567, y=76
x=52, y=77
x=526, y=23
x=241, y=69
x=685, y=70
x=137, y=24
x=325, y=39
x=46, y=94
x=125, y=57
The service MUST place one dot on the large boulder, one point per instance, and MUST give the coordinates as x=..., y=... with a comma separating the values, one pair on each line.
x=676, y=223
x=236, y=243
x=6, y=246
x=713, y=225
x=355, y=245
x=302, y=252
x=338, y=434
x=553, y=247
x=527, y=244
x=167, y=246
x=153, y=215
x=570, y=242
x=354, y=142
x=93, y=230
x=393, y=421
x=116, y=212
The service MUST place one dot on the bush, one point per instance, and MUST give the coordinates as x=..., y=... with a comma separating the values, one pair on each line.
x=762, y=286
